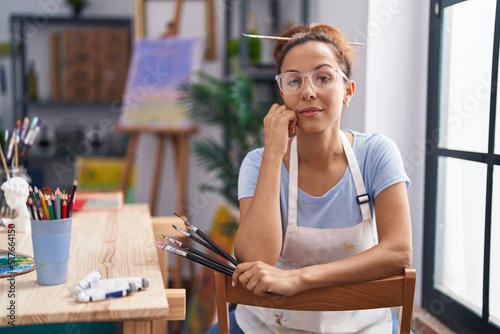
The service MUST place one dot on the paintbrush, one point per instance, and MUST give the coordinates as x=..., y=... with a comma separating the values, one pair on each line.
x=192, y=237
x=195, y=251
x=193, y=257
x=280, y=38
x=220, y=251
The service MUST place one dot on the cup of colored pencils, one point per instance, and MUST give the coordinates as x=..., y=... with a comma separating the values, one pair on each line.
x=51, y=219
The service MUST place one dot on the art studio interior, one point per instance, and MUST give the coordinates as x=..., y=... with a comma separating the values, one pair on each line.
x=133, y=123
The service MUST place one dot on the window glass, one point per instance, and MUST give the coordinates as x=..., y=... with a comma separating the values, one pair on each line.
x=460, y=231
x=467, y=48
x=495, y=250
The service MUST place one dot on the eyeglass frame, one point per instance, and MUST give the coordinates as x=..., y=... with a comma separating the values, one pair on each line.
x=278, y=77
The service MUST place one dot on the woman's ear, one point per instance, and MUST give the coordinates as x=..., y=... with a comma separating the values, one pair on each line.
x=350, y=87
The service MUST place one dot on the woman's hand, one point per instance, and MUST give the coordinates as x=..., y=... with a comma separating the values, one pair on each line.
x=262, y=279
x=279, y=125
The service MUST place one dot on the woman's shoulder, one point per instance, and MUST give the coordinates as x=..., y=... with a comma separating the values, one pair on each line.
x=371, y=141
x=253, y=157
x=255, y=154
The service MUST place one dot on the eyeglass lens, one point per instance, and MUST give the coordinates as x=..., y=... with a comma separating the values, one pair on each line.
x=293, y=82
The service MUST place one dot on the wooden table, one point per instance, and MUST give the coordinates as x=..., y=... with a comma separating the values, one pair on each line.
x=180, y=141
x=119, y=243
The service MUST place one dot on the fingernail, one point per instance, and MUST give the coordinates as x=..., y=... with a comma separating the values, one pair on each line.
x=233, y=284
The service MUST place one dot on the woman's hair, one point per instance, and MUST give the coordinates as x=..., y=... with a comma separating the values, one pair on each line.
x=322, y=33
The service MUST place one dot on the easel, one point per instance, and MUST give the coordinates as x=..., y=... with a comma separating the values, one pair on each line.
x=140, y=19
x=180, y=140
x=178, y=135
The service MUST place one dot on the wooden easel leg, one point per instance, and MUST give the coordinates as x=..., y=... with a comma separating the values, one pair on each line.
x=181, y=146
x=129, y=163
x=156, y=181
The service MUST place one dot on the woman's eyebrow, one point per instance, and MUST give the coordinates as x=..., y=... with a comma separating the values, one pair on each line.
x=317, y=67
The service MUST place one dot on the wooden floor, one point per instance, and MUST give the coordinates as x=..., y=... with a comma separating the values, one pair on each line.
x=425, y=323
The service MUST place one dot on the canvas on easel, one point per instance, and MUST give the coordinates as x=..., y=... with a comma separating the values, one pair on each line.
x=157, y=69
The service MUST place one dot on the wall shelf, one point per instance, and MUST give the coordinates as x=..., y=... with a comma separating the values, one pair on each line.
x=24, y=27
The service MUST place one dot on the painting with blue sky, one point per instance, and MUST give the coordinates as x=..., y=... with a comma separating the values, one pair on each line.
x=157, y=68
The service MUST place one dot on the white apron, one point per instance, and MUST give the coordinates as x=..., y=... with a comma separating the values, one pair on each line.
x=306, y=246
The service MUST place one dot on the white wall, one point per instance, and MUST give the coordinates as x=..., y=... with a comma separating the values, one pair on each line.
x=397, y=98
x=391, y=84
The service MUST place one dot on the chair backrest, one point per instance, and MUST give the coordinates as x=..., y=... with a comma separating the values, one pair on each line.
x=392, y=291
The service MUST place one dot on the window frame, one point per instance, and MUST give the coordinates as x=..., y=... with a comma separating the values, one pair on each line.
x=445, y=308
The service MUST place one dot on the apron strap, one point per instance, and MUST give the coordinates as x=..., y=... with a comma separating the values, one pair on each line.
x=363, y=198
x=293, y=186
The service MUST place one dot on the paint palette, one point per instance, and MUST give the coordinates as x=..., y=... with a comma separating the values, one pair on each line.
x=14, y=263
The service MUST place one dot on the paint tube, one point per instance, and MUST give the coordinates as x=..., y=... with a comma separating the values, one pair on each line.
x=136, y=283
x=119, y=289
x=91, y=277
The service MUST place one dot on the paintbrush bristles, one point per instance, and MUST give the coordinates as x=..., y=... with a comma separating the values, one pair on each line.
x=181, y=231
x=181, y=217
x=161, y=235
x=160, y=244
x=187, y=223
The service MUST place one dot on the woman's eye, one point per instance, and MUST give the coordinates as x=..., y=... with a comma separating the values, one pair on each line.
x=294, y=82
x=323, y=78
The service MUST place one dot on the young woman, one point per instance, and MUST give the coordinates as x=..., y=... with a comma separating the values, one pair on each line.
x=307, y=197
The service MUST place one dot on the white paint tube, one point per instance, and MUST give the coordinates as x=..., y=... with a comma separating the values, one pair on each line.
x=91, y=277
x=136, y=283
x=119, y=289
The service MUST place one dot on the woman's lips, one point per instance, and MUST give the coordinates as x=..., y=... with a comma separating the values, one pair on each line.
x=310, y=112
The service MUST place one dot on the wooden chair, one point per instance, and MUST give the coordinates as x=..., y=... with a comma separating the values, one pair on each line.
x=176, y=297
x=392, y=291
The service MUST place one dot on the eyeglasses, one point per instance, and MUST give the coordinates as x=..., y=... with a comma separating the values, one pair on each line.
x=321, y=79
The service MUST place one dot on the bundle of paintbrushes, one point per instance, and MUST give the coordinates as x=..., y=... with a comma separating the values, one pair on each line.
x=13, y=151
x=193, y=254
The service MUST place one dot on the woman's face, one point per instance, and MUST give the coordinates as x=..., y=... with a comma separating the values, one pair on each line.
x=316, y=109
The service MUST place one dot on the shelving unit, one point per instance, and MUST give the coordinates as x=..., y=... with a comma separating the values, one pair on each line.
x=70, y=129
x=262, y=73
x=24, y=27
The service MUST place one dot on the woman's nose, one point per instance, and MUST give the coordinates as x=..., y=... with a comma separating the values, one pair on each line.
x=308, y=90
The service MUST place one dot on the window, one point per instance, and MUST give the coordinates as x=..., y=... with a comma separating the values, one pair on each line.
x=461, y=274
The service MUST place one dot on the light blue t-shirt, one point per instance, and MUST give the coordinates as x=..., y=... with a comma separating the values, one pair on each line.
x=381, y=166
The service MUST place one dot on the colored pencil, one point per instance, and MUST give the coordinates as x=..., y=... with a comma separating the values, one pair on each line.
x=50, y=209
x=72, y=198
x=41, y=197
x=57, y=205
x=64, y=210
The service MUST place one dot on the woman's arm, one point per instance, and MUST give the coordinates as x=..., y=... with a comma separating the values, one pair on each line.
x=388, y=257
x=259, y=235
